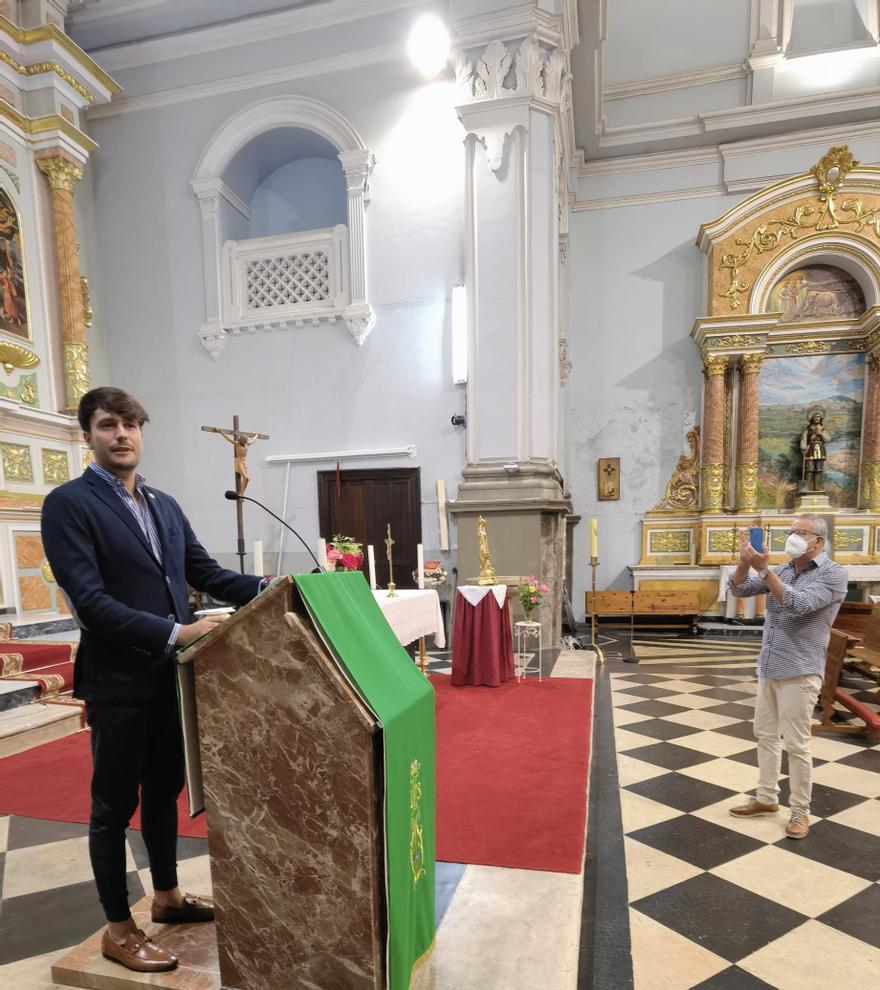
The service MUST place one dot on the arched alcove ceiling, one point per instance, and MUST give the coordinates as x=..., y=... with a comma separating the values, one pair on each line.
x=267, y=152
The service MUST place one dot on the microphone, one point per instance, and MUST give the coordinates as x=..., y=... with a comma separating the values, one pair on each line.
x=235, y=497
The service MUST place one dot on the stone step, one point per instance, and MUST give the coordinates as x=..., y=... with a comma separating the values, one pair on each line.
x=14, y=694
x=32, y=725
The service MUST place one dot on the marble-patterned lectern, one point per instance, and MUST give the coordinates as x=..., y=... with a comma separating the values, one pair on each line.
x=294, y=762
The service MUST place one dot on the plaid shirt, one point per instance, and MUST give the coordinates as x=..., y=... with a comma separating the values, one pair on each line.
x=796, y=632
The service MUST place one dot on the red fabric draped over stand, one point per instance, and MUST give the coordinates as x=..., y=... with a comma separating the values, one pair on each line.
x=482, y=645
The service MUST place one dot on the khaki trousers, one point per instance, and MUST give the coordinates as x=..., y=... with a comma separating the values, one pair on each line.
x=783, y=713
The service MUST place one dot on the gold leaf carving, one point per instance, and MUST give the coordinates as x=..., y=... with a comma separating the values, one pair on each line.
x=17, y=462
x=736, y=340
x=721, y=540
x=55, y=467
x=13, y=356
x=671, y=541
x=849, y=539
x=682, y=490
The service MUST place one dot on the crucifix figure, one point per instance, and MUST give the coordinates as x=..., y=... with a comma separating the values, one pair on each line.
x=608, y=471
x=389, y=543
x=240, y=441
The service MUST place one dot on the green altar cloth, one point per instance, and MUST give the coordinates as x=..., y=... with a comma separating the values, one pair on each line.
x=352, y=624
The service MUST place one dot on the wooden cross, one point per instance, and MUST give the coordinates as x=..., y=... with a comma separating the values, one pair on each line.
x=240, y=442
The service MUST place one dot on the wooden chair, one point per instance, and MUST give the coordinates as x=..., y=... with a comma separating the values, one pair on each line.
x=864, y=657
x=831, y=691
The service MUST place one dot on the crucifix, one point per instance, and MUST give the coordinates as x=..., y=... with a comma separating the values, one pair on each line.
x=389, y=543
x=240, y=441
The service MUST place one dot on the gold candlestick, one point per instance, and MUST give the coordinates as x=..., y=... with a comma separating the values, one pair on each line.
x=600, y=653
x=389, y=543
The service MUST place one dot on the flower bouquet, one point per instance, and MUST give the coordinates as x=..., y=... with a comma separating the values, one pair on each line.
x=530, y=591
x=344, y=553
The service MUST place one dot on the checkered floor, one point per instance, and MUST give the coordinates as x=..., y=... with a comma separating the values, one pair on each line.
x=718, y=902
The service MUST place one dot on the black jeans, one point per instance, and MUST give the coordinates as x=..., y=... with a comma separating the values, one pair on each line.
x=134, y=746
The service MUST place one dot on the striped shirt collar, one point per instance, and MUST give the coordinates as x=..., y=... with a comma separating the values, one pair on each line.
x=112, y=479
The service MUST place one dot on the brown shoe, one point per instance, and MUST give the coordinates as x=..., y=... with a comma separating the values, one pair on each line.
x=194, y=909
x=139, y=953
x=753, y=809
x=798, y=826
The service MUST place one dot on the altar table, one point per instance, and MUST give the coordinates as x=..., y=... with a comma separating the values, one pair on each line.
x=482, y=644
x=413, y=615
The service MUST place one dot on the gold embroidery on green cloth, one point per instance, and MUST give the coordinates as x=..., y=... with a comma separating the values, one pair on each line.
x=416, y=838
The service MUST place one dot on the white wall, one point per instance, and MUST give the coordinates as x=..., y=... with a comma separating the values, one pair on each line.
x=307, y=194
x=311, y=388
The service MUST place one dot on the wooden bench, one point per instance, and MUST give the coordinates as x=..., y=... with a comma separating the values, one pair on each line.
x=864, y=656
x=831, y=691
x=629, y=604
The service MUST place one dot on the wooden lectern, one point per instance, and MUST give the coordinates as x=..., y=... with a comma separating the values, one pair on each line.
x=291, y=767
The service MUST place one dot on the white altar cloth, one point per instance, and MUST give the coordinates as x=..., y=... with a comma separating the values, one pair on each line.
x=413, y=614
x=475, y=593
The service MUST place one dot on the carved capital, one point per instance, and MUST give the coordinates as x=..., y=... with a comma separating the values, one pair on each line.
x=536, y=72
x=358, y=166
x=751, y=363
x=61, y=173
x=360, y=324
x=715, y=364
x=712, y=486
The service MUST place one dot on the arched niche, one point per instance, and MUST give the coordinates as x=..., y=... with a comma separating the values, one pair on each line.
x=321, y=276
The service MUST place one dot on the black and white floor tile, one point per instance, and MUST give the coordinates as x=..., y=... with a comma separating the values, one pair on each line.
x=719, y=902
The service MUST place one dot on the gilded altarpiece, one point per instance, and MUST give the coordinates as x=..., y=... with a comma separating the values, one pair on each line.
x=792, y=329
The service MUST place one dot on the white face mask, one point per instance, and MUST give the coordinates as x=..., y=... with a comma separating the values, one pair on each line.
x=795, y=546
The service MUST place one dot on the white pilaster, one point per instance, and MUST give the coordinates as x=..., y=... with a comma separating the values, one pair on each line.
x=211, y=334
x=357, y=166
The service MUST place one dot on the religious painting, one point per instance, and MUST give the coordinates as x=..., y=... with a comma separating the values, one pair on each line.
x=13, y=300
x=791, y=392
x=817, y=292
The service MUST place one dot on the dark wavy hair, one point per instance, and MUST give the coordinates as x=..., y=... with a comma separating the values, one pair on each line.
x=114, y=400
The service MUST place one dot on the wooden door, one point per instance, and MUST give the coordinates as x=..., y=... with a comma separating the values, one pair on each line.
x=363, y=504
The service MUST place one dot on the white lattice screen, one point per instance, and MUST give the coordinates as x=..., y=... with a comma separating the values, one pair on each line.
x=288, y=279
x=291, y=281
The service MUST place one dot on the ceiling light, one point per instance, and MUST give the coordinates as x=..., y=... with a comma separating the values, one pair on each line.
x=428, y=45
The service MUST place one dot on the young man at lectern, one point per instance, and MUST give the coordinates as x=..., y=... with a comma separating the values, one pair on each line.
x=123, y=553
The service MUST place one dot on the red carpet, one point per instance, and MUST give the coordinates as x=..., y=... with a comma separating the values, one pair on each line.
x=512, y=773
x=52, y=781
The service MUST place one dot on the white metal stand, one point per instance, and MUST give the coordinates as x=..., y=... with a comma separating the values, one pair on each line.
x=525, y=657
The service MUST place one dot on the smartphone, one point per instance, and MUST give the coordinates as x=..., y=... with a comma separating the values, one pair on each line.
x=756, y=538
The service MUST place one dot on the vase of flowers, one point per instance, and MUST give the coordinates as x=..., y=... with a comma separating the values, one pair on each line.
x=530, y=591
x=344, y=553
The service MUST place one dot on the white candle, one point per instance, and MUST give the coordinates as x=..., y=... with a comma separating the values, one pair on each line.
x=371, y=561
x=420, y=565
x=322, y=553
x=594, y=538
x=258, y=557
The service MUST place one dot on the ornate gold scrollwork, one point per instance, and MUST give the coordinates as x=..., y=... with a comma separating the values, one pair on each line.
x=55, y=467
x=830, y=172
x=721, y=541
x=871, y=485
x=747, y=485
x=736, y=340
x=88, y=312
x=416, y=834
x=17, y=464
x=849, y=540
x=46, y=571
x=712, y=485
x=76, y=371
x=682, y=490
x=671, y=541
x=810, y=347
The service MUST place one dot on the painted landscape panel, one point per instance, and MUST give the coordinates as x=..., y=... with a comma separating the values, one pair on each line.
x=817, y=292
x=788, y=390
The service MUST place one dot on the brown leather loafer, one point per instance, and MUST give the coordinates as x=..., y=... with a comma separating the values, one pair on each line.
x=194, y=909
x=139, y=953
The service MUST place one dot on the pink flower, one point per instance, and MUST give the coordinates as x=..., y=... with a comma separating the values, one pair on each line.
x=333, y=553
x=533, y=600
x=351, y=561
x=544, y=589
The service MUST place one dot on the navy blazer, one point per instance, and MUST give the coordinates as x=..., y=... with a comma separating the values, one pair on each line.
x=125, y=600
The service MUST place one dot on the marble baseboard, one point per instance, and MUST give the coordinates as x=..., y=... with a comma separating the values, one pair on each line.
x=195, y=946
x=34, y=630
x=15, y=694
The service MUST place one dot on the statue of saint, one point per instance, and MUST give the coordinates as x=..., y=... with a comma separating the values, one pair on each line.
x=813, y=441
x=487, y=571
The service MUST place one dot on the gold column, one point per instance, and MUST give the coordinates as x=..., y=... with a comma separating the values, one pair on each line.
x=63, y=176
x=871, y=439
x=747, y=434
x=712, y=473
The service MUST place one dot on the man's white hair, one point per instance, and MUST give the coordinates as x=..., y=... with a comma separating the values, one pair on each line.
x=820, y=526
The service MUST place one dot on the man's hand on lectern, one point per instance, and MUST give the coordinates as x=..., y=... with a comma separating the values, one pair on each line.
x=195, y=630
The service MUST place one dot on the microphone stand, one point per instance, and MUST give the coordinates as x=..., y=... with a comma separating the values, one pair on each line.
x=235, y=497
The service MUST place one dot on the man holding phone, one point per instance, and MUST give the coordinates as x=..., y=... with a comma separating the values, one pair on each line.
x=805, y=595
